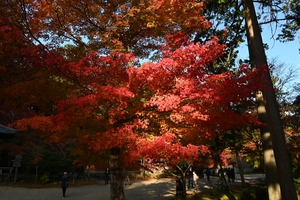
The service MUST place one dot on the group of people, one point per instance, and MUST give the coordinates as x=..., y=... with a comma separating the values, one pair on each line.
x=230, y=174
x=193, y=179
x=65, y=180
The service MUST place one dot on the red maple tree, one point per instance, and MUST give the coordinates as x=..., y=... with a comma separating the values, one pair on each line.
x=117, y=106
x=113, y=104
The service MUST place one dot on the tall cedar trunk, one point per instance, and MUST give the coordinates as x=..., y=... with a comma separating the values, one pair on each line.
x=272, y=137
x=116, y=171
x=272, y=180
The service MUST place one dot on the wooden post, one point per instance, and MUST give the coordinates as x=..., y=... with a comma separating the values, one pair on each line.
x=17, y=164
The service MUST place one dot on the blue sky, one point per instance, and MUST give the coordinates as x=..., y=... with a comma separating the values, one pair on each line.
x=287, y=53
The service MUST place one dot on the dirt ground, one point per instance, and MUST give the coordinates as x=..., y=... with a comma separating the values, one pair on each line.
x=158, y=189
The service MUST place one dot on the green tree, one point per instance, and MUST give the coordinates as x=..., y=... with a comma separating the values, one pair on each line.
x=273, y=135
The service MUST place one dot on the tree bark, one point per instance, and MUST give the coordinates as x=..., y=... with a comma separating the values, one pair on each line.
x=36, y=173
x=279, y=178
x=116, y=172
x=272, y=180
x=241, y=170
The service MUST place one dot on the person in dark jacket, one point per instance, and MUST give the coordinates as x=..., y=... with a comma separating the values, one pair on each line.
x=207, y=173
x=64, y=183
x=231, y=174
x=107, y=174
x=191, y=178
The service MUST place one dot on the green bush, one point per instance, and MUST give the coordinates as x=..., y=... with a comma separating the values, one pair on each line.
x=250, y=193
x=297, y=184
x=45, y=178
x=253, y=192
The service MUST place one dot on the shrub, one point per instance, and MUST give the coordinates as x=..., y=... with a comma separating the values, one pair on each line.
x=45, y=178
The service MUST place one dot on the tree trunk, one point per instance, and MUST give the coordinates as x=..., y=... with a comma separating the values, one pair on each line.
x=36, y=173
x=272, y=179
x=180, y=186
x=279, y=178
x=183, y=183
x=241, y=170
x=116, y=174
x=224, y=184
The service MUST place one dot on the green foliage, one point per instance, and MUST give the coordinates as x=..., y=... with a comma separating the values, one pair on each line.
x=297, y=183
x=291, y=27
x=45, y=178
x=292, y=124
x=249, y=193
x=226, y=17
x=53, y=161
x=254, y=192
x=295, y=169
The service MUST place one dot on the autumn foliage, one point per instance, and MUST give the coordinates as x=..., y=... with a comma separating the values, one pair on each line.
x=100, y=93
x=153, y=110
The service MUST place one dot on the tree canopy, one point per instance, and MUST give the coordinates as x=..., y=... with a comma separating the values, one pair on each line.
x=78, y=67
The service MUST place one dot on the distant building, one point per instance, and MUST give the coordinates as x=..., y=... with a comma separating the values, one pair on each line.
x=5, y=158
x=6, y=132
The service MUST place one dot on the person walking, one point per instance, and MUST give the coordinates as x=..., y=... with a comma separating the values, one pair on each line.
x=107, y=173
x=127, y=179
x=232, y=174
x=64, y=183
x=191, y=179
x=228, y=173
x=196, y=178
x=207, y=173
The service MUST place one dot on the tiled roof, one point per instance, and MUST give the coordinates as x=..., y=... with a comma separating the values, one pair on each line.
x=7, y=130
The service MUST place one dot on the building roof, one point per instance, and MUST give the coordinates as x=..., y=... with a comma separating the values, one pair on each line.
x=6, y=132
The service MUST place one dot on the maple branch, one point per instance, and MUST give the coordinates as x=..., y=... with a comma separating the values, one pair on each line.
x=65, y=31
x=179, y=168
x=173, y=174
x=23, y=8
x=84, y=12
x=145, y=167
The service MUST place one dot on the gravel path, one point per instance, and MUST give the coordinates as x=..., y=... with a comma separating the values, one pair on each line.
x=162, y=189
x=158, y=189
